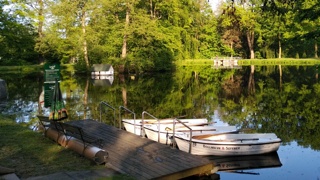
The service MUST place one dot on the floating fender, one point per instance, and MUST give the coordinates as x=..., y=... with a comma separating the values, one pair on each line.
x=94, y=153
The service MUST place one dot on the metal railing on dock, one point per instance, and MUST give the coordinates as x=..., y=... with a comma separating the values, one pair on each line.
x=142, y=126
x=174, y=122
x=128, y=110
x=174, y=130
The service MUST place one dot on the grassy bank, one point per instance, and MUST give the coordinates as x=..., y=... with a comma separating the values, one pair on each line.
x=32, y=154
x=31, y=68
x=283, y=61
x=258, y=62
x=25, y=69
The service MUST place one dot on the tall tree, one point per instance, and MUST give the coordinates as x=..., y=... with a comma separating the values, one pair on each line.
x=83, y=18
x=126, y=26
x=230, y=29
x=17, y=38
x=248, y=10
x=35, y=10
x=309, y=19
x=71, y=22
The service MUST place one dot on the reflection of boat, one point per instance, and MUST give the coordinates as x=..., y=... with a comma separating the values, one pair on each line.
x=163, y=132
x=228, y=144
x=229, y=163
x=134, y=125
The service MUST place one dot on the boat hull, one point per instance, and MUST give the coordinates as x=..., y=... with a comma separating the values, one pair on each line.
x=135, y=125
x=165, y=137
x=235, y=146
x=132, y=126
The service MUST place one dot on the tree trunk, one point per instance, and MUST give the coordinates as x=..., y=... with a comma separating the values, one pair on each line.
x=231, y=47
x=40, y=28
x=151, y=10
x=280, y=49
x=124, y=96
x=316, y=50
x=251, y=84
x=85, y=47
x=124, y=45
x=85, y=99
x=280, y=74
x=317, y=73
x=250, y=39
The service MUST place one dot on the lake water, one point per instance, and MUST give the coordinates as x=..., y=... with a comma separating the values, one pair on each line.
x=282, y=100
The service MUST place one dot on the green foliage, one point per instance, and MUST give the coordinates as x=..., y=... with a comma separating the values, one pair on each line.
x=17, y=40
x=286, y=105
x=80, y=67
x=155, y=37
x=152, y=35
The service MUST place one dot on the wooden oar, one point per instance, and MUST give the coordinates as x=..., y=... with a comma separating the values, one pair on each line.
x=234, y=140
x=151, y=121
x=168, y=122
x=190, y=125
x=195, y=130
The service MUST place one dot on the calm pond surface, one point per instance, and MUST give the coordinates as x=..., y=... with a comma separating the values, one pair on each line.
x=280, y=99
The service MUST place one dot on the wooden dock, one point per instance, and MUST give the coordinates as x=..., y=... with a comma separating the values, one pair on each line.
x=142, y=158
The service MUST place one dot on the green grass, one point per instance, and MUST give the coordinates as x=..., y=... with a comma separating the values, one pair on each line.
x=283, y=61
x=31, y=154
x=31, y=68
x=25, y=69
x=258, y=62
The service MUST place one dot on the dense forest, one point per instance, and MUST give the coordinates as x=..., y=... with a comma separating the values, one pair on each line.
x=149, y=35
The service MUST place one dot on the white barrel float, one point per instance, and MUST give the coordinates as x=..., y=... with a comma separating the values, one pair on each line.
x=96, y=154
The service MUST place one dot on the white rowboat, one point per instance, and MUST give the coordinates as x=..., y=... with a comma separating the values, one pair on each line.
x=164, y=135
x=228, y=144
x=134, y=125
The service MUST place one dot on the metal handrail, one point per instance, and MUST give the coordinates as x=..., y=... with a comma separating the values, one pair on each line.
x=109, y=106
x=134, y=117
x=174, y=130
x=142, y=126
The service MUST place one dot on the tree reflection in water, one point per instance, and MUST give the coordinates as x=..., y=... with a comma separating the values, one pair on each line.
x=263, y=98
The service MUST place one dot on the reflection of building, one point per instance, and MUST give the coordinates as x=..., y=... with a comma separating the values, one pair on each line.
x=102, y=80
x=102, y=74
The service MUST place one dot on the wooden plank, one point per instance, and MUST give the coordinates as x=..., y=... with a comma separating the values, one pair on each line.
x=133, y=139
x=143, y=158
x=155, y=147
x=183, y=162
x=146, y=157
